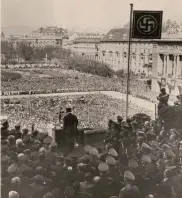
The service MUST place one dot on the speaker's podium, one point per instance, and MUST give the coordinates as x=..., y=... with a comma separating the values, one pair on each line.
x=58, y=135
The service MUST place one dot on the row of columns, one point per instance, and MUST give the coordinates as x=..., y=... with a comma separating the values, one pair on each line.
x=165, y=65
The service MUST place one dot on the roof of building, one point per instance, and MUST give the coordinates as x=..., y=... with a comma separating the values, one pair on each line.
x=118, y=34
x=86, y=40
x=122, y=35
x=53, y=29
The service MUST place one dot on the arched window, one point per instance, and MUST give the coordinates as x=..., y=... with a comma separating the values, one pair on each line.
x=110, y=53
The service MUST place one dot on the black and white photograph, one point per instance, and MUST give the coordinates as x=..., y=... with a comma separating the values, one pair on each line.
x=91, y=99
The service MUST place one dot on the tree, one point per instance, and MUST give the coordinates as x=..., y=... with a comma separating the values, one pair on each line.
x=4, y=47
x=39, y=54
x=25, y=51
x=167, y=25
x=8, y=50
x=49, y=50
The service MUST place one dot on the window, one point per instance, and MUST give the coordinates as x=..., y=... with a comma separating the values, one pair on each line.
x=110, y=53
x=124, y=55
x=117, y=54
x=142, y=56
x=134, y=56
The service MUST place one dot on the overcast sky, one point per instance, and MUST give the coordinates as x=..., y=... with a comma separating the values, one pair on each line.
x=81, y=13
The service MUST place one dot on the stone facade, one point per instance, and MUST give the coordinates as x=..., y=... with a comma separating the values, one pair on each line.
x=167, y=67
x=48, y=36
x=115, y=54
x=160, y=60
x=86, y=48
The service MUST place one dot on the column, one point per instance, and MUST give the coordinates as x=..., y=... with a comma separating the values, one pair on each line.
x=159, y=64
x=177, y=68
x=166, y=62
x=167, y=65
x=164, y=65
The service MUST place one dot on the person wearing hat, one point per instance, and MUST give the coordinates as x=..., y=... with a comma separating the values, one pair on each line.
x=119, y=122
x=18, y=134
x=34, y=135
x=87, y=167
x=129, y=190
x=13, y=194
x=80, y=172
x=24, y=132
x=4, y=129
x=48, y=195
x=12, y=144
x=20, y=146
x=37, y=188
x=114, y=173
x=52, y=152
x=26, y=137
x=70, y=124
x=165, y=187
x=40, y=171
x=163, y=99
x=104, y=184
x=18, y=186
x=129, y=122
x=58, y=167
x=34, y=156
x=87, y=186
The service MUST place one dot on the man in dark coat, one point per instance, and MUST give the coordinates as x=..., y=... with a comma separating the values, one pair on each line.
x=163, y=98
x=130, y=190
x=70, y=123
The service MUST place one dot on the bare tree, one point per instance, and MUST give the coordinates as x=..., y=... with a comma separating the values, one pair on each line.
x=25, y=51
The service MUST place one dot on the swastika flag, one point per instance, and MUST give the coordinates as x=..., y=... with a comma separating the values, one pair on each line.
x=147, y=24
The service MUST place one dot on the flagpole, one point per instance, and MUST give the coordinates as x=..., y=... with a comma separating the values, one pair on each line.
x=129, y=49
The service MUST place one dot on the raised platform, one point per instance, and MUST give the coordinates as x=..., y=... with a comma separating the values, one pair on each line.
x=85, y=135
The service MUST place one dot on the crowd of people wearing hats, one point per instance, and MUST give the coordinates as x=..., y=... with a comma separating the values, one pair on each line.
x=138, y=159
x=93, y=111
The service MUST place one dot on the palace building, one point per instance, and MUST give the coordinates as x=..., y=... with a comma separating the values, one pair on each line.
x=159, y=60
x=86, y=48
x=48, y=36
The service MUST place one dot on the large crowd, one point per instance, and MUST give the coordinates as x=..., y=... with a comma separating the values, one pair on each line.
x=139, y=158
x=56, y=79
x=93, y=110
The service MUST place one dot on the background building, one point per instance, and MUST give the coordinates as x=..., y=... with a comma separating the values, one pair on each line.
x=86, y=48
x=113, y=50
x=167, y=66
x=48, y=36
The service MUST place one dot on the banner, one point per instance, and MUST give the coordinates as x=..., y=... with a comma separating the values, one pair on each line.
x=163, y=82
x=147, y=24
